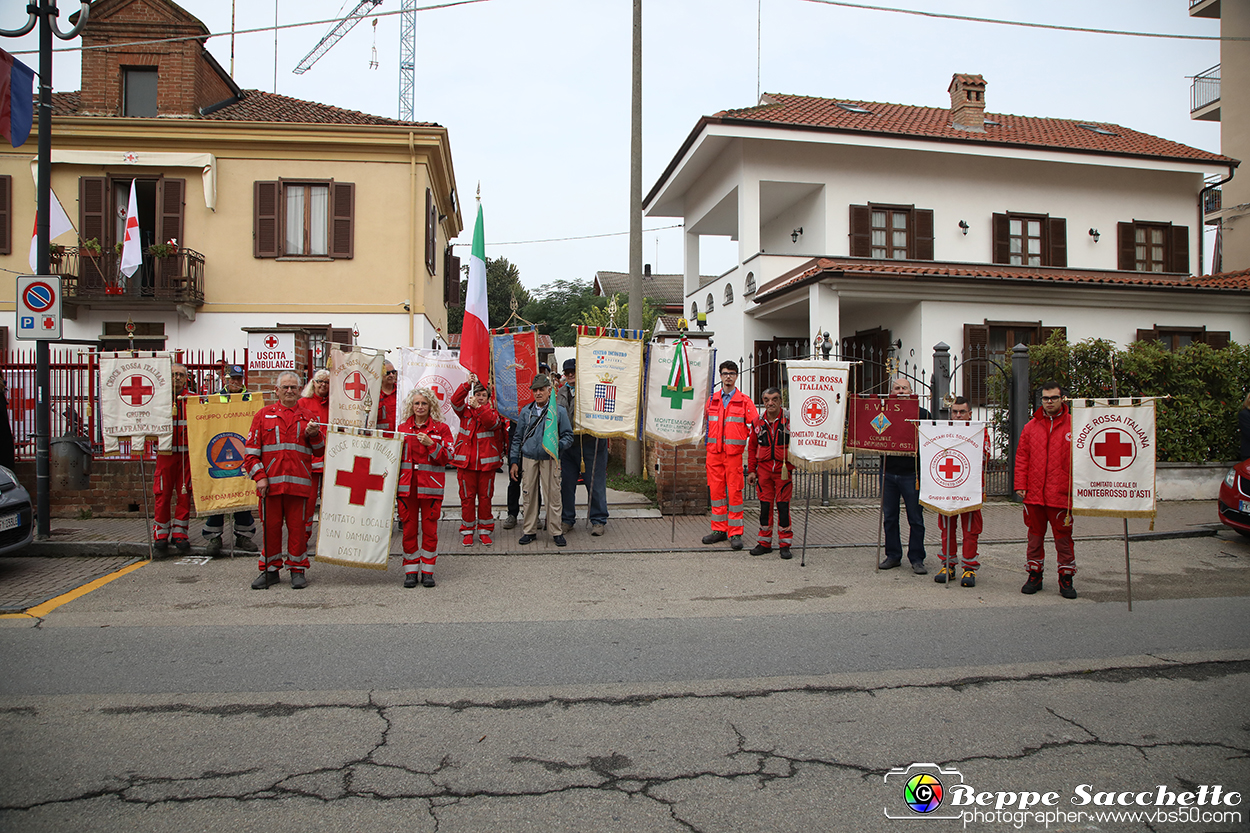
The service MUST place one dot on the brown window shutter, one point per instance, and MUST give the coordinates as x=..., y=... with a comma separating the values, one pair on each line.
x=922, y=243
x=170, y=199
x=265, y=219
x=1126, y=246
x=1179, y=250
x=861, y=231
x=6, y=216
x=1147, y=335
x=451, y=279
x=1057, y=245
x=1001, y=243
x=91, y=190
x=976, y=368
x=342, y=219
x=340, y=336
x=431, y=232
x=1218, y=339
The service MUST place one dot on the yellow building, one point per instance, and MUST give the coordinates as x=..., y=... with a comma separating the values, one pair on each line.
x=254, y=209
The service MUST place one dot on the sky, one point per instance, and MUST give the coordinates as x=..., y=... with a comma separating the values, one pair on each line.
x=535, y=94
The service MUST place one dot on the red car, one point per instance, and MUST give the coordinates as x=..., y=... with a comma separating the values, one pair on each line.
x=1235, y=498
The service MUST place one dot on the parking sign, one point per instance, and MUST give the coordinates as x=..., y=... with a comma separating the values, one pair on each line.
x=39, y=307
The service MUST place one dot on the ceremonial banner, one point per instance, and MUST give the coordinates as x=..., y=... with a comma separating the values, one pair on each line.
x=136, y=399
x=358, y=497
x=883, y=424
x=679, y=382
x=355, y=385
x=438, y=370
x=1113, y=458
x=514, y=357
x=217, y=427
x=952, y=457
x=817, y=413
x=609, y=382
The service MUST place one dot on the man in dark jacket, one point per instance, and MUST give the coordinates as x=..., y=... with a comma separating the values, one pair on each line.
x=1043, y=480
x=898, y=480
x=532, y=465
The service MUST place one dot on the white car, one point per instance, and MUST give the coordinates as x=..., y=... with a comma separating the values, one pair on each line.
x=17, y=527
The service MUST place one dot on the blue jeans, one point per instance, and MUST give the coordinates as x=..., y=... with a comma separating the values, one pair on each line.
x=593, y=453
x=243, y=525
x=894, y=486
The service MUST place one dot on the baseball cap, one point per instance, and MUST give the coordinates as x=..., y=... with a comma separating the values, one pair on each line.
x=235, y=370
x=570, y=365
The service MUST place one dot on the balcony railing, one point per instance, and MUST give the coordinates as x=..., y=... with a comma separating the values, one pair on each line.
x=1205, y=89
x=177, y=278
x=1213, y=200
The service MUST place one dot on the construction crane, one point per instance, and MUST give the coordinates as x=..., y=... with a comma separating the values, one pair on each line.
x=407, y=47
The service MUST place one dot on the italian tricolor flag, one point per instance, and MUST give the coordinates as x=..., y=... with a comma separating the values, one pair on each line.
x=474, y=335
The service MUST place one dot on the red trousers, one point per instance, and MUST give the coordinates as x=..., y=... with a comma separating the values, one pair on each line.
x=773, y=491
x=277, y=511
x=310, y=511
x=972, y=525
x=477, y=488
x=172, y=487
x=422, y=520
x=1036, y=518
x=724, y=480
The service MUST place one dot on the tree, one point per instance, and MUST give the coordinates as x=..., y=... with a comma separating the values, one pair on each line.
x=598, y=317
x=559, y=306
x=503, y=280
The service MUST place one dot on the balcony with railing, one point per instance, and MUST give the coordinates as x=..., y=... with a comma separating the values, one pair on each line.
x=1204, y=95
x=94, y=279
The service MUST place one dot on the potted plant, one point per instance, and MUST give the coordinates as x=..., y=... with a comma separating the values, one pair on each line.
x=163, y=249
x=90, y=246
x=56, y=253
x=117, y=248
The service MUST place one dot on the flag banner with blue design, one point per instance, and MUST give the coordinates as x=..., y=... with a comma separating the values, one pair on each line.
x=217, y=427
x=679, y=379
x=514, y=362
x=884, y=424
x=609, y=382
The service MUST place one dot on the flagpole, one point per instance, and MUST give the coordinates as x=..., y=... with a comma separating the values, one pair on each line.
x=1128, y=575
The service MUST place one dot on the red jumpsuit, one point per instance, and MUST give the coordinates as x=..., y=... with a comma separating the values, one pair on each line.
x=386, y=410
x=727, y=430
x=172, y=481
x=476, y=456
x=766, y=459
x=320, y=409
x=278, y=449
x=423, y=493
x=1044, y=469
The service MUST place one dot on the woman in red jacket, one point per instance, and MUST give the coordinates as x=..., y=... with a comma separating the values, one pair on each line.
x=315, y=398
x=476, y=457
x=427, y=450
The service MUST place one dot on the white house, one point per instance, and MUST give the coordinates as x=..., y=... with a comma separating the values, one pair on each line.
x=893, y=228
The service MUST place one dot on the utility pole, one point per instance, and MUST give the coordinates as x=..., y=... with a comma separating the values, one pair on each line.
x=633, y=448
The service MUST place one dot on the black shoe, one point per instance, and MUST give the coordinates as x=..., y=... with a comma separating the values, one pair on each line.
x=509, y=522
x=242, y=542
x=761, y=549
x=214, y=547
x=716, y=537
x=161, y=547
x=266, y=579
x=182, y=545
x=1033, y=584
x=889, y=564
x=918, y=568
x=786, y=554
x=410, y=580
x=427, y=579
x=527, y=539
x=942, y=575
x=735, y=542
x=298, y=581
x=969, y=579
x=559, y=541
x=1065, y=587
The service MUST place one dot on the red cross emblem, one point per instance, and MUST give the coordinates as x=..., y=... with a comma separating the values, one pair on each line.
x=356, y=386
x=1113, y=450
x=949, y=469
x=138, y=389
x=814, y=410
x=271, y=341
x=437, y=391
x=360, y=481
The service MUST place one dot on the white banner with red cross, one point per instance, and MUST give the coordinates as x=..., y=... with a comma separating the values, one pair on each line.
x=952, y=456
x=136, y=399
x=355, y=385
x=1113, y=458
x=358, y=497
x=817, y=413
x=438, y=370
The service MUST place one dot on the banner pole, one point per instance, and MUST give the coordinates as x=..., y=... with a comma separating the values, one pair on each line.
x=673, y=498
x=880, y=505
x=147, y=519
x=807, y=514
x=1128, y=575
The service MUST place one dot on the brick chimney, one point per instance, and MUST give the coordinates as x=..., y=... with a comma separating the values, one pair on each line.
x=968, y=103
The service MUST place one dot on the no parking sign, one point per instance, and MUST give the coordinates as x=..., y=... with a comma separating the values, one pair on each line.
x=38, y=307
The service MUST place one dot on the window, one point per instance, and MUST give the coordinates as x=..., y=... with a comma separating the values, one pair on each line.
x=1153, y=247
x=139, y=91
x=431, y=233
x=6, y=214
x=102, y=203
x=1030, y=240
x=694, y=310
x=303, y=219
x=988, y=348
x=320, y=337
x=891, y=232
x=1178, y=338
x=707, y=305
x=149, y=335
x=729, y=294
x=748, y=287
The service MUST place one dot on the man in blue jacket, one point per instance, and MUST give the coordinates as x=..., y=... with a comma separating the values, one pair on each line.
x=532, y=465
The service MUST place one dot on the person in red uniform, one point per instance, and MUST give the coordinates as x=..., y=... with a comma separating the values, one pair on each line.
x=730, y=415
x=171, y=484
x=386, y=401
x=1043, y=480
x=278, y=456
x=315, y=398
x=772, y=476
x=476, y=455
x=971, y=522
x=427, y=450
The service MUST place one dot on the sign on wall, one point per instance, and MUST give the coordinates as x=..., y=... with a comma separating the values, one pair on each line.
x=271, y=351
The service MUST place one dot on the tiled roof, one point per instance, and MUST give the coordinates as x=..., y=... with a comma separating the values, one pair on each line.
x=929, y=270
x=667, y=288
x=797, y=111
x=260, y=106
